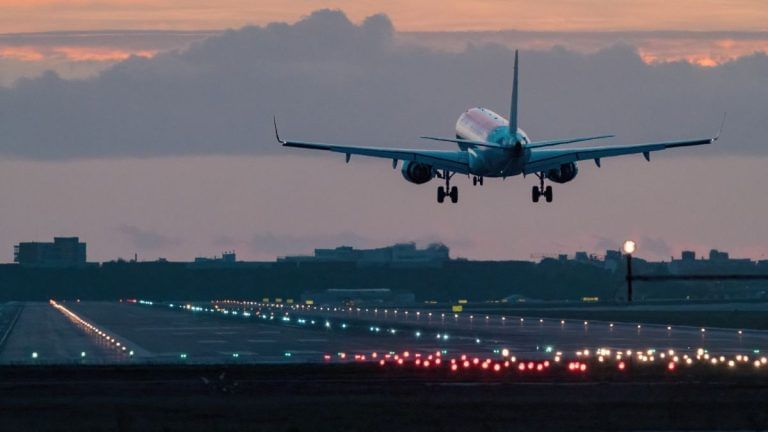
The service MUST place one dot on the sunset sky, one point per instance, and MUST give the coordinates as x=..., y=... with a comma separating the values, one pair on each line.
x=153, y=135
x=724, y=30
x=425, y=15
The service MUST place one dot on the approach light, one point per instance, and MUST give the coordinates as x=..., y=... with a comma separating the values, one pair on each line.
x=629, y=247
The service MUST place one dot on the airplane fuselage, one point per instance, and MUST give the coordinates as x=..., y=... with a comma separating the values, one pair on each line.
x=482, y=124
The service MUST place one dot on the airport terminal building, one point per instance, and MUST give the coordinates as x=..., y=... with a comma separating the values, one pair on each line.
x=62, y=252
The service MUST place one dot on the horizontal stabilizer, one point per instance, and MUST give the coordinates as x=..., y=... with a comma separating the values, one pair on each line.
x=463, y=141
x=538, y=144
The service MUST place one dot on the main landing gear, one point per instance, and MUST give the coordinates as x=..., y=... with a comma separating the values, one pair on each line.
x=540, y=190
x=447, y=191
x=477, y=181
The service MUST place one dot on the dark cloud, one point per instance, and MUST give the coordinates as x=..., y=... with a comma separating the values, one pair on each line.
x=125, y=39
x=329, y=79
x=656, y=247
x=147, y=240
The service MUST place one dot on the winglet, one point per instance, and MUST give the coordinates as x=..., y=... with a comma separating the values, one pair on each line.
x=719, y=131
x=277, y=135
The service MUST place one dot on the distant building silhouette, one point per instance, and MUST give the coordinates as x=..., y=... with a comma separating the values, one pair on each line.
x=63, y=252
x=226, y=258
x=719, y=262
x=399, y=254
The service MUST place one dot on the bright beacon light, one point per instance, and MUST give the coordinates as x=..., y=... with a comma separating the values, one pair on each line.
x=629, y=247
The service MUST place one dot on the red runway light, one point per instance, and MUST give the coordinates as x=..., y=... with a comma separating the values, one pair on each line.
x=496, y=367
x=539, y=367
x=671, y=366
x=521, y=367
x=406, y=354
x=326, y=357
x=454, y=367
x=622, y=366
x=466, y=363
x=381, y=362
x=426, y=363
x=530, y=365
x=438, y=361
x=485, y=365
x=400, y=362
x=418, y=362
x=475, y=360
x=583, y=367
x=463, y=357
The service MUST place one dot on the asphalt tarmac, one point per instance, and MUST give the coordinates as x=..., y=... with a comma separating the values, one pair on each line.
x=43, y=335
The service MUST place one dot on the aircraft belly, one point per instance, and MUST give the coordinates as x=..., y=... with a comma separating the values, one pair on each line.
x=493, y=163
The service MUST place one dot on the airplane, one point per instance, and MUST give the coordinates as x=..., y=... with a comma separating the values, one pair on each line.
x=491, y=146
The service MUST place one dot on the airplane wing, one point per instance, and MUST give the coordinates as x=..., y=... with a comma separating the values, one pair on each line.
x=545, y=159
x=450, y=160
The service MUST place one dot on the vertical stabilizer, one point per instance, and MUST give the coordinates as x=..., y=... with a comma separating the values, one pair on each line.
x=513, y=105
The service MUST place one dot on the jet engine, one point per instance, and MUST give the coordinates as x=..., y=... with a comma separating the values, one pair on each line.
x=416, y=172
x=564, y=174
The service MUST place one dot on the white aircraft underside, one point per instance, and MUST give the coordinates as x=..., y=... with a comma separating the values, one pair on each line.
x=492, y=146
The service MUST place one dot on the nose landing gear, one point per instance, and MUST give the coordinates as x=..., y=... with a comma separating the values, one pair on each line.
x=540, y=190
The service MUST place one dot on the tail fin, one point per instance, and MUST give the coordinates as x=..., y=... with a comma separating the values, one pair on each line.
x=513, y=105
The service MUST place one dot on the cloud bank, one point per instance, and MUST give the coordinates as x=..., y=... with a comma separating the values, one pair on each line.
x=329, y=79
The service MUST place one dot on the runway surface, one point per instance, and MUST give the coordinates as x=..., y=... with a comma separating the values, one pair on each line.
x=114, y=332
x=528, y=334
x=43, y=335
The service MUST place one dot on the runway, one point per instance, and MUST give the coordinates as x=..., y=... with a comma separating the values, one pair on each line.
x=43, y=335
x=254, y=333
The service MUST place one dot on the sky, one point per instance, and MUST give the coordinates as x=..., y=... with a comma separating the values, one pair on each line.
x=172, y=154
x=80, y=38
x=426, y=15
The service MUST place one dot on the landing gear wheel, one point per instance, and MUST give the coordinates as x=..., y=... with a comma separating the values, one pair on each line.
x=535, y=194
x=440, y=194
x=480, y=180
x=548, y=193
x=454, y=194
x=474, y=181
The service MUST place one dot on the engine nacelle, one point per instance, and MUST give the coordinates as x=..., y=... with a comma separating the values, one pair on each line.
x=416, y=172
x=564, y=174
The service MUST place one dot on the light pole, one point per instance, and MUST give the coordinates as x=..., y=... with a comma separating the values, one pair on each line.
x=629, y=248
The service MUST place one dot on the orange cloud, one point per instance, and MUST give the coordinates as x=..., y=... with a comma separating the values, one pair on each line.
x=75, y=53
x=21, y=53
x=71, y=53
